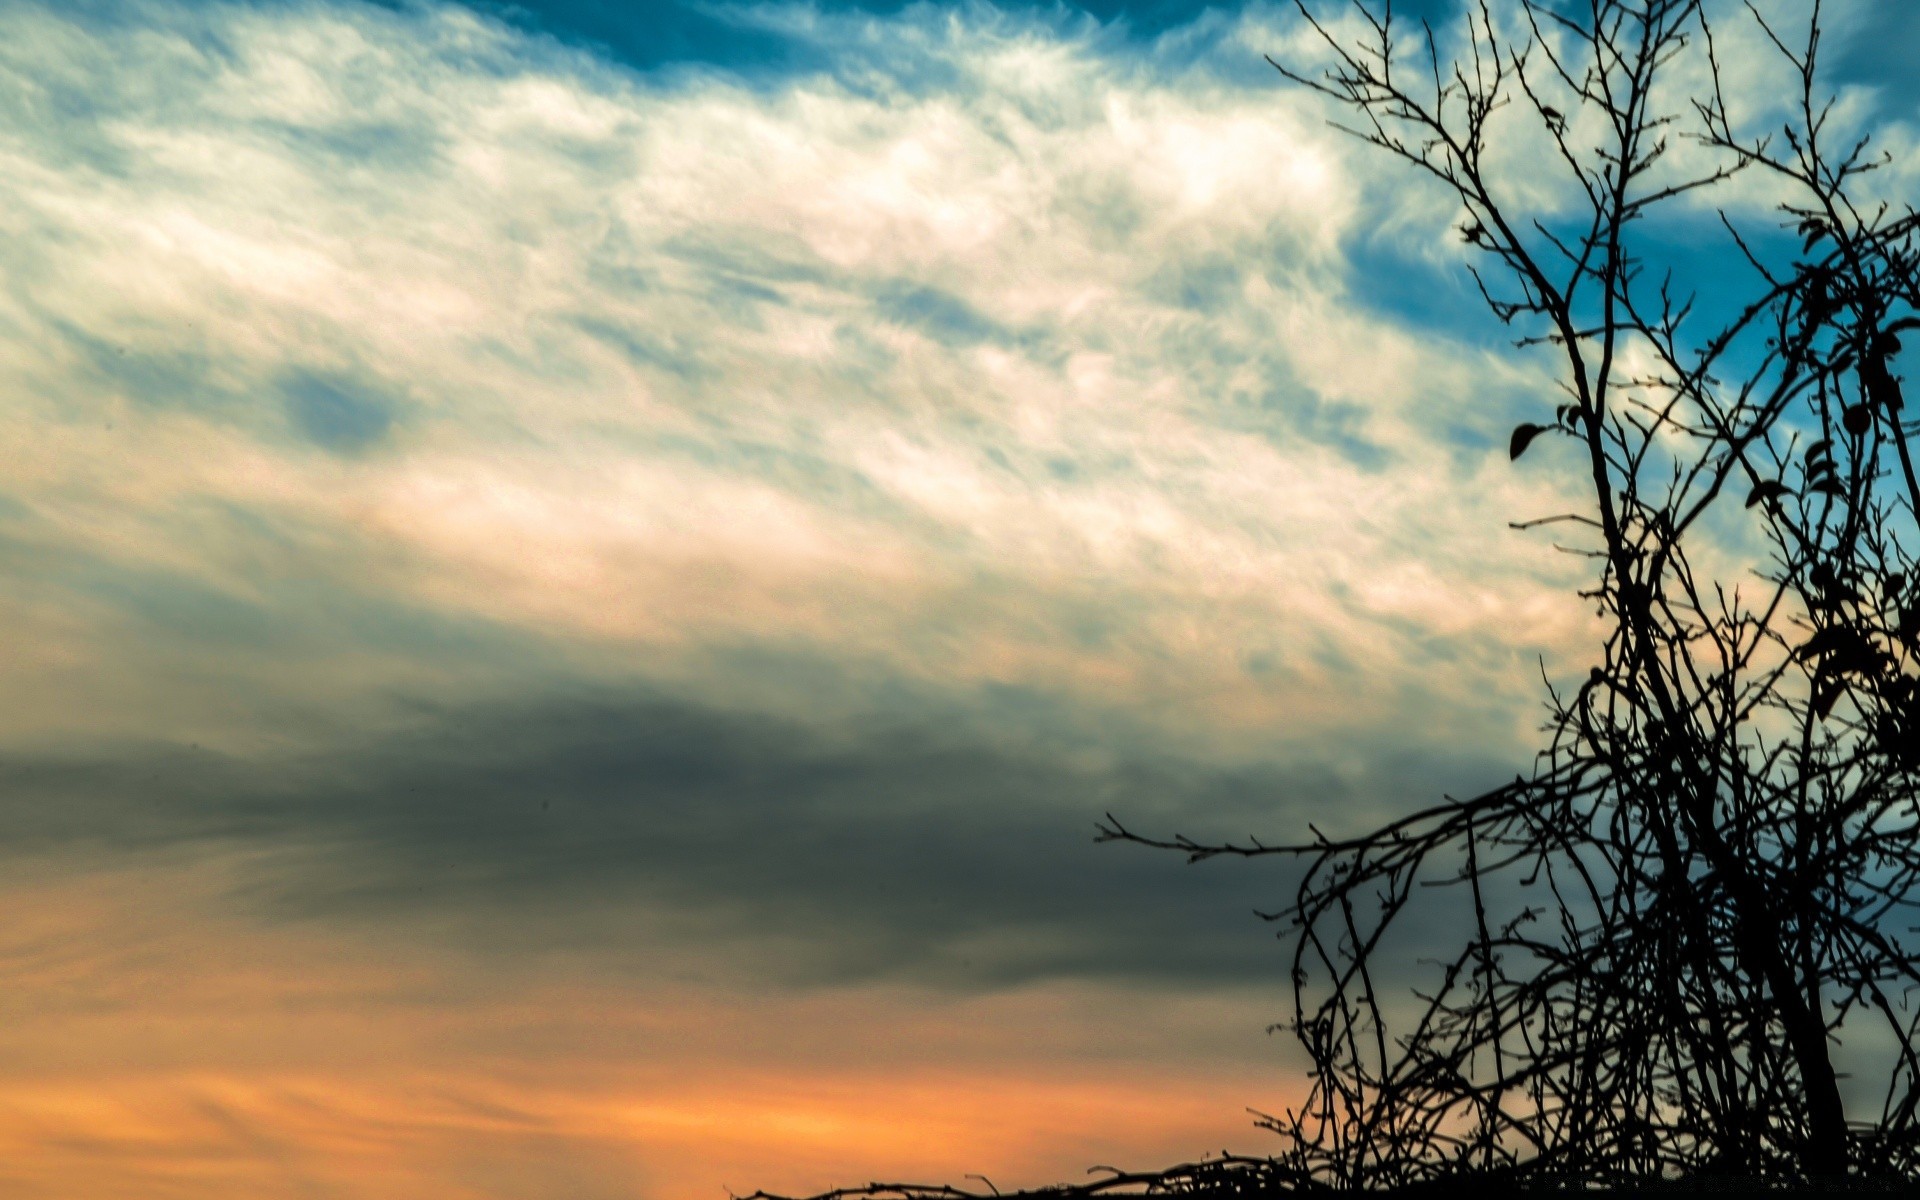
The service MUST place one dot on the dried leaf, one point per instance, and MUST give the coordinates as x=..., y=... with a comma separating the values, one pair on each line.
x=1843, y=648
x=1523, y=436
x=1822, y=641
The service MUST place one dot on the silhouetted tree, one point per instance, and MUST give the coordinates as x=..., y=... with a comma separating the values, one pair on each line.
x=1702, y=893
x=1704, y=888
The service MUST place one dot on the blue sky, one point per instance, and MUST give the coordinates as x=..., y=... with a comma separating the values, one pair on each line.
x=578, y=567
x=653, y=35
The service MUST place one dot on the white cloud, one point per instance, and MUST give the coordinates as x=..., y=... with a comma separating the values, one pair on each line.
x=1039, y=368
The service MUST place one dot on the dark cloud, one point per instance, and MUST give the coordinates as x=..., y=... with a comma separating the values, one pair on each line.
x=947, y=317
x=1288, y=412
x=336, y=412
x=900, y=848
x=941, y=315
x=183, y=375
x=642, y=348
x=356, y=150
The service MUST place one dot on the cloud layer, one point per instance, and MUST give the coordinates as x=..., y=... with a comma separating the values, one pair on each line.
x=491, y=530
x=1017, y=364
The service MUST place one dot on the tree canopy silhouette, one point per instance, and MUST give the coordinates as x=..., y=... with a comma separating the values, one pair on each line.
x=1680, y=927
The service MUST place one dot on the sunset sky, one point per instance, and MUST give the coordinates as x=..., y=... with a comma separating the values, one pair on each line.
x=578, y=574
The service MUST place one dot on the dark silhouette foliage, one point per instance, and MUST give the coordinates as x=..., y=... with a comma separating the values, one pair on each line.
x=1685, y=940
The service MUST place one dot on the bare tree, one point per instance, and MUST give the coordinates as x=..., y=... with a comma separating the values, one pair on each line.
x=1701, y=894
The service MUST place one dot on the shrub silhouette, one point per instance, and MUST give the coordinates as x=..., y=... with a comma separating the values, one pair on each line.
x=1699, y=897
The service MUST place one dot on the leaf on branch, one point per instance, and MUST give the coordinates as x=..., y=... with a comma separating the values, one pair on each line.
x=1819, y=449
x=1814, y=229
x=1523, y=436
x=1843, y=648
x=1857, y=418
x=1898, y=739
x=1884, y=390
x=1909, y=630
x=1767, y=489
x=1819, y=305
x=1835, y=591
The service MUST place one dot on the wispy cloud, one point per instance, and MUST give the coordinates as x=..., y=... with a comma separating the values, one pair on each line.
x=1014, y=364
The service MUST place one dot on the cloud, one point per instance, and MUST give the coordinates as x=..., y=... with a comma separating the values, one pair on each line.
x=622, y=827
x=915, y=364
x=496, y=498
x=900, y=460
x=335, y=412
x=515, y=547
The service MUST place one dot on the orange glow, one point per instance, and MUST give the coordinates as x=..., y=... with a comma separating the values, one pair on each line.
x=158, y=1048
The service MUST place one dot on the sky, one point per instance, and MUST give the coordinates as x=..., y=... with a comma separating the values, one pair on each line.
x=579, y=574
